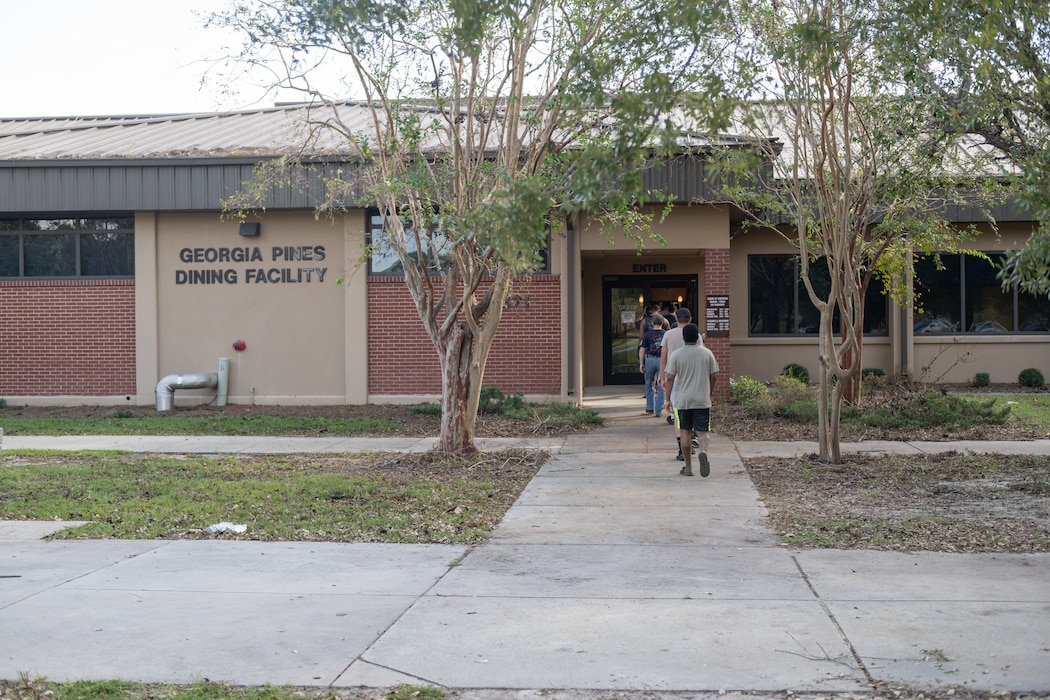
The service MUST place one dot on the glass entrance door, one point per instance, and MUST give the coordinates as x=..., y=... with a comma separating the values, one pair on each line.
x=624, y=300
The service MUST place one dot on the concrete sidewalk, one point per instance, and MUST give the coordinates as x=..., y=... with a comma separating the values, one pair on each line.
x=611, y=572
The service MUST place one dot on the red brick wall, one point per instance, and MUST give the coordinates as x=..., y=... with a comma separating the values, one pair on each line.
x=67, y=337
x=716, y=281
x=525, y=357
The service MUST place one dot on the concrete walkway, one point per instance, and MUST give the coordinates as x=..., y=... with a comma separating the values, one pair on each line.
x=611, y=572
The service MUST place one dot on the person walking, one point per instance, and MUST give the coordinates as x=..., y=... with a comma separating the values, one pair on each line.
x=691, y=374
x=649, y=364
x=673, y=341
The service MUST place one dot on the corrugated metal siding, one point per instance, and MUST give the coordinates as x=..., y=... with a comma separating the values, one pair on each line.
x=155, y=187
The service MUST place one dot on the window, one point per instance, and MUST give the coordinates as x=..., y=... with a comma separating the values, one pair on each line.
x=779, y=304
x=75, y=247
x=963, y=295
x=383, y=260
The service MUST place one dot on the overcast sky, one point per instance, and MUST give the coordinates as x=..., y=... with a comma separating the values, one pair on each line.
x=105, y=57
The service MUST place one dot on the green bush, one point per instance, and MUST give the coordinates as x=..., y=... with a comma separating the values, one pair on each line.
x=796, y=371
x=3, y=403
x=873, y=376
x=426, y=409
x=751, y=394
x=929, y=409
x=794, y=399
x=1030, y=377
x=981, y=379
x=492, y=400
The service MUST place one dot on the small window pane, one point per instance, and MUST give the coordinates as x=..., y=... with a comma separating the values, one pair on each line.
x=988, y=308
x=52, y=224
x=50, y=255
x=771, y=294
x=10, y=225
x=939, y=295
x=876, y=308
x=8, y=256
x=107, y=254
x=809, y=316
x=437, y=249
x=1033, y=313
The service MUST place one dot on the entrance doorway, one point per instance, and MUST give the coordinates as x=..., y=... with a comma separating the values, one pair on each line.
x=624, y=299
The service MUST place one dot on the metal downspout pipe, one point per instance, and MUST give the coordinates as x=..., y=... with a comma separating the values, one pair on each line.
x=201, y=380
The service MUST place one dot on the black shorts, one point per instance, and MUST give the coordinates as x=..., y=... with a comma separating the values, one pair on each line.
x=696, y=419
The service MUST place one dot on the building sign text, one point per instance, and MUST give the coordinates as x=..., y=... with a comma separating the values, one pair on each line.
x=717, y=319
x=281, y=271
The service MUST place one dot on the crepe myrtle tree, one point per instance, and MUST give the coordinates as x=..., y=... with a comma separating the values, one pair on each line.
x=488, y=123
x=852, y=181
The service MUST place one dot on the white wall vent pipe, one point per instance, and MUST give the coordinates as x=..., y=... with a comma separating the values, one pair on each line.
x=224, y=381
x=166, y=387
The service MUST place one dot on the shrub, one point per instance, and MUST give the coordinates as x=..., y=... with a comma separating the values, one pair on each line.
x=3, y=403
x=794, y=399
x=426, y=409
x=492, y=400
x=751, y=394
x=981, y=379
x=1030, y=377
x=796, y=371
x=929, y=409
x=873, y=376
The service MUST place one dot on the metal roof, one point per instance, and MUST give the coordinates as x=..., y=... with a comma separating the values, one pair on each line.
x=251, y=133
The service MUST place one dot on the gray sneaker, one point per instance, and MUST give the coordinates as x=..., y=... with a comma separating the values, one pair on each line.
x=705, y=464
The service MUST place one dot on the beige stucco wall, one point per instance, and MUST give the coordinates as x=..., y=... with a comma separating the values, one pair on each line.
x=304, y=332
x=687, y=231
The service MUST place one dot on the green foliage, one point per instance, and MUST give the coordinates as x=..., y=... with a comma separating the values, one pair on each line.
x=1030, y=377
x=3, y=404
x=796, y=371
x=981, y=379
x=930, y=408
x=426, y=409
x=794, y=399
x=492, y=400
x=873, y=376
x=751, y=394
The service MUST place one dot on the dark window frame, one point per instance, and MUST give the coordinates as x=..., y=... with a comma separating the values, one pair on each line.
x=120, y=227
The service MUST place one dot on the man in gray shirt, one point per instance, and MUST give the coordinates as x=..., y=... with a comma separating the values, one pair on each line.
x=691, y=373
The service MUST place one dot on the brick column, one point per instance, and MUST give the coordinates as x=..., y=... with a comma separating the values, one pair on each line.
x=716, y=281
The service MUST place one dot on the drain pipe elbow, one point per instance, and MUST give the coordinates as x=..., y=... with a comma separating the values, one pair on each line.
x=166, y=387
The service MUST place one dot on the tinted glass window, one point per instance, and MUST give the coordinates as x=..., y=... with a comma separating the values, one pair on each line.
x=50, y=255
x=107, y=254
x=8, y=256
x=67, y=247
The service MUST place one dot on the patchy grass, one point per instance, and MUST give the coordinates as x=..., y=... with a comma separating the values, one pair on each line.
x=943, y=503
x=120, y=423
x=42, y=689
x=370, y=420
x=369, y=497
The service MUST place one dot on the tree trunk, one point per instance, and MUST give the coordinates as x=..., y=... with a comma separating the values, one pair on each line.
x=825, y=434
x=458, y=418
